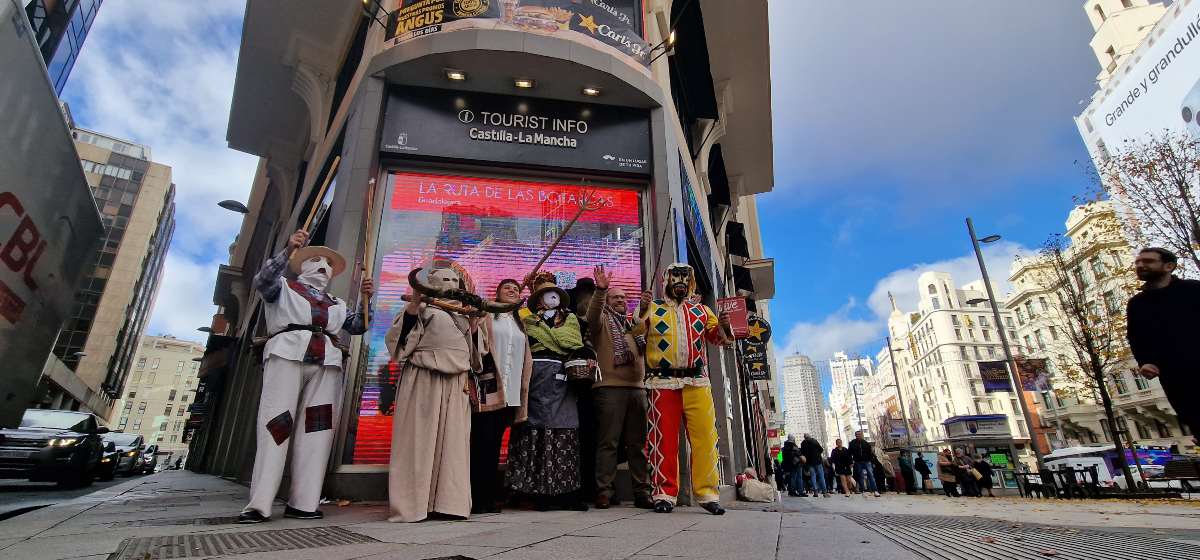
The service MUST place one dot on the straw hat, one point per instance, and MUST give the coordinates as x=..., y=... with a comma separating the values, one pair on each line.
x=302, y=254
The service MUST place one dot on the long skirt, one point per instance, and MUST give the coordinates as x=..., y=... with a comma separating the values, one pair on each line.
x=543, y=461
x=431, y=456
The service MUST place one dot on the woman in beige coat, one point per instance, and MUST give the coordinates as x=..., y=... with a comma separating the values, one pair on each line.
x=499, y=396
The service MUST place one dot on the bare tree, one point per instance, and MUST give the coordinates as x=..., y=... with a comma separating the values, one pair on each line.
x=1092, y=347
x=1155, y=179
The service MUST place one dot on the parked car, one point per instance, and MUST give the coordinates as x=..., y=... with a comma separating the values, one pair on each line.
x=52, y=446
x=150, y=459
x=129, y=452
x=109, y=458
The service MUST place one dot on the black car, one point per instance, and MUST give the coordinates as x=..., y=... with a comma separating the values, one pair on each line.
x=129, y=452
x=53, y=446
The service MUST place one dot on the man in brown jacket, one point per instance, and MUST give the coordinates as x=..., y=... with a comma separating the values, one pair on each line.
x=619, y=396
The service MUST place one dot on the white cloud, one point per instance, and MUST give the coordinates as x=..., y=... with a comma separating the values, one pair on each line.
x=167, y=82
x=857, y=329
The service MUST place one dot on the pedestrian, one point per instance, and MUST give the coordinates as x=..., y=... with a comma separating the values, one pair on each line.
x=922, y=466
x=948, y=473
x=302, y=375
x=780, y=476
x=906, y=472
x=985, y=468
x=620, y=400
x=676, y=329
x=543, y=457
x=499, y=395
x=437, y=341
x=794, y=459
x=813, y=454
x=831, y=478
x=968, y=477
x=1161, y=327
x=862, y=454
x=842, y=465
x=581, y=297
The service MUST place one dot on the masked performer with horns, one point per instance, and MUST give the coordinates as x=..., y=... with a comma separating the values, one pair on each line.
x=436, y=340
x=677, y=378
x=302, y=375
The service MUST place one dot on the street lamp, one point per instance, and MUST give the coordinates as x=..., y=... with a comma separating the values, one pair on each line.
x=205, y=330
x=234, y=206
x=1008, y=356
x=899, y=395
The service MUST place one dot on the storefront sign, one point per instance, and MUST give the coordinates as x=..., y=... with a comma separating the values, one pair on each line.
x=983, y=426
x=739, y=316
x=483, y=127
x=613, y=24
x=995, y=376
x=753, y=348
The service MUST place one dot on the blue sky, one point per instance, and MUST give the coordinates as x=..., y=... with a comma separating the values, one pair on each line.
x=892, y=122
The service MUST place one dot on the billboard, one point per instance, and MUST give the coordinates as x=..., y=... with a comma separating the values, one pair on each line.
x=495, y=229
x=1156, y=87
x=49, y=225
x=616, y=25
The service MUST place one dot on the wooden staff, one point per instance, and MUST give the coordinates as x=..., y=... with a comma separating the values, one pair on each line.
x=445, y=305
x=584, y=205
x=368, y=247
x=662, y=241
x=321, y=193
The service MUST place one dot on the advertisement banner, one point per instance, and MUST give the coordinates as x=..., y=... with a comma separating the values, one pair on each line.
x=609, y=24
x=755, y=363
x=995, y=376
x=425, y=122
x=1035, y=373
x=739, y=315
x=495, y=229
x=1156, y=88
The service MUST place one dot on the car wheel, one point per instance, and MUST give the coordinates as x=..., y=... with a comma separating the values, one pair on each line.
x=108, y=474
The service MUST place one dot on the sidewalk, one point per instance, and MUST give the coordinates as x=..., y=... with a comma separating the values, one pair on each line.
x=179, y=514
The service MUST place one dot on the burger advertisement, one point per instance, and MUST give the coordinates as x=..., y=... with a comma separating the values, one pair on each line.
x=616, y=23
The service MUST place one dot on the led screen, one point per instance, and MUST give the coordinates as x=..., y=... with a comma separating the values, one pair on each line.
x=496, y=229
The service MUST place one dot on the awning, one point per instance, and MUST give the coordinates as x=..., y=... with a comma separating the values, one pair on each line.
x=762, y=273
x=692, y=80
x=735, y=240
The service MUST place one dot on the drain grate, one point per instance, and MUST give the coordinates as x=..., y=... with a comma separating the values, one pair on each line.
x=955, y=538
x=202, y=521
x=218, y=544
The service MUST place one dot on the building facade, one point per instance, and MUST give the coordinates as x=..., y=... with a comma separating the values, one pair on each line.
x=49, y=225
x=1102, y=259
x=96, y=345
x=158, y=393
x=847, y=396
x=476, y=140
x=802, y=395
x=938, y=351
x=60, y=28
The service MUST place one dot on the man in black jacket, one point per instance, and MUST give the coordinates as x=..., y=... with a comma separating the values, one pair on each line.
x=862, y=454
x=1162, y=331
x=793, y=467
x=814, y=465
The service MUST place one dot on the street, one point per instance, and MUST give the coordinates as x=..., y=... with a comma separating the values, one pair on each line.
x=18, y=496
x=183, y=514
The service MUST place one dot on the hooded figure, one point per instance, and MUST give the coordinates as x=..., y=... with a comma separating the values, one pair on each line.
x=302, y=375
x=676, y=331
x=431, y=429
x=543, y=456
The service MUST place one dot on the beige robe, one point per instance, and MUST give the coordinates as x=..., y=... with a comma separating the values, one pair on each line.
x=431, y=431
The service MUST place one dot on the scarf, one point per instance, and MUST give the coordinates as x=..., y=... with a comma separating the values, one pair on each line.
x=618, y=325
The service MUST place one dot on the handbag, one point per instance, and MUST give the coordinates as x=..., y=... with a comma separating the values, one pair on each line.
x=578, y=369
x=927, y=484
x=975, y=473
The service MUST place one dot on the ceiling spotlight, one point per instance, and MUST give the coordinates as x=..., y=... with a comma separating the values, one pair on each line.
x=523, y=83
x=591, y=91
x=456, y=75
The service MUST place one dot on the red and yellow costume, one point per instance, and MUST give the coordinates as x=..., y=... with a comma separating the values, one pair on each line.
x=677, y=379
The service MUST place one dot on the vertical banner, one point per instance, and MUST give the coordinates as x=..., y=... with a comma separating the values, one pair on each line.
x=1035, y=374
x=995, y=377
x=755, y=364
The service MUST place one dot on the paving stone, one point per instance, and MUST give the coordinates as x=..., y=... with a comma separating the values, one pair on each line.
x=426, y=551
x=421, y=533
x=709, y=544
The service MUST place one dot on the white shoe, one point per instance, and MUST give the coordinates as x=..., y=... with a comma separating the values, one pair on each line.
x=877, y=494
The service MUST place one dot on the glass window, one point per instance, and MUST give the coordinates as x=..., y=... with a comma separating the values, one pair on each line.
x=958, y=334
x=132, y=394
x=1164, y=431
x=1141, y=382
x=1142, y=431
x=141, y=363
x=168, y=411
x=1119, y=381
x=936, y=303
x=141, y=408
x=171, y=397
x=137, y=424
x=954, y=319
x=123, y=422
x=1008, y=321
x=987, y=335
x=173, y=438
x=154, y=364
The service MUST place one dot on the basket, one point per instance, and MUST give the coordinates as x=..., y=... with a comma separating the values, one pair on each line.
x=578, y=369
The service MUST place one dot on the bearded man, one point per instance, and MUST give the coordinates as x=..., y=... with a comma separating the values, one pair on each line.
x=302, y=375
x=1161, y=328
x=676, y=330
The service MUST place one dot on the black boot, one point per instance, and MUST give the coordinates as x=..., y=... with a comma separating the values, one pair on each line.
x=663, y=506
x=713, y=508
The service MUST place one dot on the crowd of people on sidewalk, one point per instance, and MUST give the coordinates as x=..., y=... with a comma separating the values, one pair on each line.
x=804, y=470
x=579, y=383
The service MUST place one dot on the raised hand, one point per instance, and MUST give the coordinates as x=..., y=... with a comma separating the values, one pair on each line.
x=602, y=278
x=297, y=240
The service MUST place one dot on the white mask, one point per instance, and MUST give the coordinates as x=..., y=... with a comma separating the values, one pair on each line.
x=443, y=279
x=315, y=272
x=550, y=301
